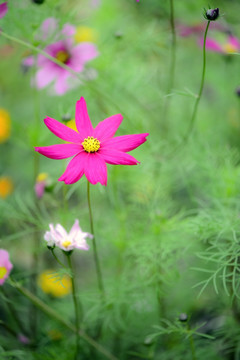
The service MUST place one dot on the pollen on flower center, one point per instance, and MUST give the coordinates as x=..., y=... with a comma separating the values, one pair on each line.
x=229, y=48
x=91, y=144
x=66, y=243
x=3, y=272
x=62, y=56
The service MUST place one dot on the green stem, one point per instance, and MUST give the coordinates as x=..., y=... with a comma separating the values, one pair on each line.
x=76, y=303
x=58, y=317
x=57, y=259
x=172, y=62
x=12, y=310
x=192, y=345
x=95, y=253
x=193, y=118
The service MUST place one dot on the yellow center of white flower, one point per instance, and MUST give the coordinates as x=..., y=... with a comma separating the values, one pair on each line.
x=229, y=48
x=3, y=272
x=91, y=144
x=66, y=243
x=62, y=56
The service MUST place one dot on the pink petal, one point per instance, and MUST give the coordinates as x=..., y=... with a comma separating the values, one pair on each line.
x=95, y=169
x=61, y=86
x=3, y=9
x=84, y=52
x=75, y=229
x=28, y=61
x=75, y=169
x=48, y=27
x=83, y=121
x=211, y=45
x=234, y=42
x=107, y=128
x=60, y=151
x=61, y=231
x=116, y=157
x=68, y=30
x=125, y=143
x=45, y=75
x=62, y=131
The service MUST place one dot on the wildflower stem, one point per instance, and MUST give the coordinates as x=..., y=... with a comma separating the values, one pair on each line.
x=192, y=345
x=95, y=253
x=57, y=259
x=13, y=311
x=172, y=62
x=76, y=303
x=193, y=118
x=58, y=317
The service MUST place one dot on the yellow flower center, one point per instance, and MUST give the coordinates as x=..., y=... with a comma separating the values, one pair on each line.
x=229, y=48
x=91, y=144
x=3, y=272
x=62, y=56
x=66, y=243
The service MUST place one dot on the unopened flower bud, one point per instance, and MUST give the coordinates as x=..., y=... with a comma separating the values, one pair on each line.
x=183, y=317
x=211, y=14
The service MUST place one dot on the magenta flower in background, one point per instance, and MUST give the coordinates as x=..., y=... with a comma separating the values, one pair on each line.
x=91, y=148
x=3, y=9
x=75, y=239
x=5, y=266
x=229, y=46
x=64, y=50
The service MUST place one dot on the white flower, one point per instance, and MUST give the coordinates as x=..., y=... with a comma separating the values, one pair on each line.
x=75, y=239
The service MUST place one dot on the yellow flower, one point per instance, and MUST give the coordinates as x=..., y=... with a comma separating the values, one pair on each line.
x=6, y=186
x=84, y=33
x=54, y=284
x=72, y=124
x=5, y=125
x=42, y=177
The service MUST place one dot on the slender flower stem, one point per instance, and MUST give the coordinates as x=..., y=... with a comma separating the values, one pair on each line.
x=33, y=318
x=57, y=259
x=58, y=317
x=13, y=311
x=95, y=253
x=193, y=118
x=76, y=303
x=172, y=62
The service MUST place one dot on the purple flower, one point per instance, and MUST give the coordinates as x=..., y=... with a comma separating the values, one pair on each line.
x=3, y=9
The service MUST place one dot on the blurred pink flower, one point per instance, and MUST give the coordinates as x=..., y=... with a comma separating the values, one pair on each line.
x=5, y=266
x=198, y=29
x=229, y=46
x=93, y=148
x=65, y=51
x=75, y=239
x=3, y=9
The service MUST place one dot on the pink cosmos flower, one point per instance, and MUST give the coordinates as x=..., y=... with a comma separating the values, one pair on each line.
x=75, y=239
x=65, y=51
x=231, y=45
x=91, y=147
x=5, y=266
x=3, y=9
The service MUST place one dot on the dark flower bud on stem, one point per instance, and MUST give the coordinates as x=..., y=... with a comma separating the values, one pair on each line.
x=211, y=14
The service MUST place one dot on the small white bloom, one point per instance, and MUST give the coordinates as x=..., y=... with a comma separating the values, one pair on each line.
x=75, y=239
